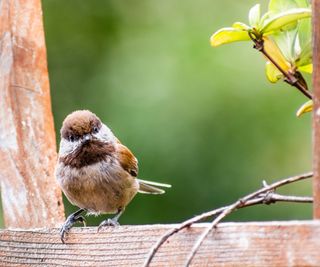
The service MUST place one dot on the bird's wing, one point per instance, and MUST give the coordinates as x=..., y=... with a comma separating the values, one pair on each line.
x=127, y=160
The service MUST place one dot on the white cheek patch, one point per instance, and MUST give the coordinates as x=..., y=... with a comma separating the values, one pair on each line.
x=105, y=134
x=67, y=147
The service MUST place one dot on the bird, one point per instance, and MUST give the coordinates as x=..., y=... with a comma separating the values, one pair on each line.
x=95, y=171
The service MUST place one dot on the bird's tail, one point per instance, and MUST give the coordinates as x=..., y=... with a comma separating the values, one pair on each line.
x=147, y=187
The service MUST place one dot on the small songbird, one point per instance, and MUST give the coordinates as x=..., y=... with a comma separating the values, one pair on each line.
x=95, y=171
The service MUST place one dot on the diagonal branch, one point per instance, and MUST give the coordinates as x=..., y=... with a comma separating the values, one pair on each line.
x=294, y=80
x=253, y=198
x=264, y=195
x=290, y=79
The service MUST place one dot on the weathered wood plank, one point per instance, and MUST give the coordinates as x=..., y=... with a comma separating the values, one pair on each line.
x=316, y=113
x=30, y=196
x=293, y=243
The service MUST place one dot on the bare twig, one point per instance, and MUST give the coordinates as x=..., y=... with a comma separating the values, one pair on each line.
x=281, y=198
x=264, y=195
x=267, y=190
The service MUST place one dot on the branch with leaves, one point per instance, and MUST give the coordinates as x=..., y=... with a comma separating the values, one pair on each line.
x=265, y=195
x=283, y=36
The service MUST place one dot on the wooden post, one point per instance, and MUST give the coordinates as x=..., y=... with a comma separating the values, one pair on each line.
x=316, y=112
x=30, y=196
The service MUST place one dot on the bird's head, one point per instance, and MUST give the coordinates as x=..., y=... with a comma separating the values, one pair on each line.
x=80, y=129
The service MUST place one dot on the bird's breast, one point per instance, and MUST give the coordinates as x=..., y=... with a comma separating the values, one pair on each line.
x=102, y=187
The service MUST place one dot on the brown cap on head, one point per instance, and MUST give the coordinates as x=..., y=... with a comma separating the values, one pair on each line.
x=79, y=123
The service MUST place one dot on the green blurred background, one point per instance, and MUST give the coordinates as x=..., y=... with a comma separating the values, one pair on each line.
x=204, y=119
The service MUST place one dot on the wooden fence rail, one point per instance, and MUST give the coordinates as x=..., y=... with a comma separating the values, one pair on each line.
x=264, y=244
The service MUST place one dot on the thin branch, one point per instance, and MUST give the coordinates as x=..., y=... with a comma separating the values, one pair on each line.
x=289, y=77
x=281, y=198
x=177, y=229
x=261, y=196
x=267, y=190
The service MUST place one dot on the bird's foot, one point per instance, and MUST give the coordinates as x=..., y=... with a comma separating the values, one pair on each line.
x=71, y=220
x=108, y=222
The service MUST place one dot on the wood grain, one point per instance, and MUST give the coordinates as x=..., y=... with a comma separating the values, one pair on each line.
x=30, y=196
x=294, y=243
x=316, y=112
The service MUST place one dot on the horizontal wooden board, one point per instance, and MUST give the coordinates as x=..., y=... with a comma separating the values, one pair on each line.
x=293, y=243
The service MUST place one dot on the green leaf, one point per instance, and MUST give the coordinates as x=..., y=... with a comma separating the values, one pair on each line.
x=306, y=107
x=241, y=26
x=273, y=74
x=280, y=20
x=296, y=44
x=272, y=49
x=285, y=41
x=304, y=31
x=303, y=43
x=277, y=6
x=254, y=15
x=265, y=16
x=305, y=56
x=228, y=35
x=306, y=68
x=296, y=47
x=303, y=3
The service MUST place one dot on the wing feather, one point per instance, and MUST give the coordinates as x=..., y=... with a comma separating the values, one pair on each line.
x=127, y=160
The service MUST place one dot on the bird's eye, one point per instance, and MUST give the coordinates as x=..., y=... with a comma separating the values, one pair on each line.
x=71, y=138
x=95, y=129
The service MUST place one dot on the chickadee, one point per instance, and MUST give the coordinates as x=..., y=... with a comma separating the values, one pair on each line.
x=95, y=171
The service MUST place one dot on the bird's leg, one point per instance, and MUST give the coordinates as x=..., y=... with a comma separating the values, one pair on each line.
x=113, y=221
x=70, y=221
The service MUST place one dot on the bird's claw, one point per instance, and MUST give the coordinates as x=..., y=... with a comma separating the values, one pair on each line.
x=71, y=220
x=108, y=222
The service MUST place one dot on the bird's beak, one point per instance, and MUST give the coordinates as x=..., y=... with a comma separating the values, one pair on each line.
x=86, y=138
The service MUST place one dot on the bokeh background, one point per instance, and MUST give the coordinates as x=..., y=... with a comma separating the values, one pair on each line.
x=204, y=119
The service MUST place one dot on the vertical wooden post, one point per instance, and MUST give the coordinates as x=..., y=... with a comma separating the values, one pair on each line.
x=316, y=112
x=30, y=196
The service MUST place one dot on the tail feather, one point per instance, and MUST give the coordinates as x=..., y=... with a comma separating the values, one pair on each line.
x=148, y=187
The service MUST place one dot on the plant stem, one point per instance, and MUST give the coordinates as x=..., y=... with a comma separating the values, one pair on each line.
x=289, y=77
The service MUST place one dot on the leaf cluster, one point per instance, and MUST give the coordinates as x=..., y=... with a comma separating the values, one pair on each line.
x=283, y=35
